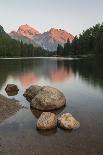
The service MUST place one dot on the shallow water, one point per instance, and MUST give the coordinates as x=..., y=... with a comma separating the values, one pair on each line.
x=81, y=81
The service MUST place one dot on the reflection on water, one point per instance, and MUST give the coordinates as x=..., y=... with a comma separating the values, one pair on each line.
x=37, y=113
x=81, y=81
x=47, y=133
x=34, y=71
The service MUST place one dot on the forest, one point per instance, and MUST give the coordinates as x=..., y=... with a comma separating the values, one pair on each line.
x=12, y=48
x=88, y=43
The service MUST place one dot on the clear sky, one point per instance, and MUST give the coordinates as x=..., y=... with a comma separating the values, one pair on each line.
x=71, y=15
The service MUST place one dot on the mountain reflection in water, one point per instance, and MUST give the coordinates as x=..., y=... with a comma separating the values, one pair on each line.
x=81, y=81
x=33, y=71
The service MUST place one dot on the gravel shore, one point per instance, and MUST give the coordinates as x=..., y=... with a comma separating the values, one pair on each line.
x=8, y=107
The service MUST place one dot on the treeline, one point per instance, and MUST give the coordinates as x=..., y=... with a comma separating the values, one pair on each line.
x=90, y=42
x=12, y=48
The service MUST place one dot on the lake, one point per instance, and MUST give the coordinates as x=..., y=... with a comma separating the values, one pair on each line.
x=80, y=80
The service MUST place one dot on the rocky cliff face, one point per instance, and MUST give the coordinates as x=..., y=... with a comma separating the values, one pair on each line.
x=27, y=31
x=48, y=40
x=24, y=39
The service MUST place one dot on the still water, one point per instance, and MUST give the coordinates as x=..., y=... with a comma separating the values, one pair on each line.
x=81, y=81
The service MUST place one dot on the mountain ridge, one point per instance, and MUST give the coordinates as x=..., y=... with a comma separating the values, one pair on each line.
x=48, y=40
x=27, y=31
x=17, y=36
x=10, y=47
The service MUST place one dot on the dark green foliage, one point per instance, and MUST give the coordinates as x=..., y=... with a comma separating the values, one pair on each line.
x=59, y=50
x=67, y=48
x=12, y=48
x=90, y=42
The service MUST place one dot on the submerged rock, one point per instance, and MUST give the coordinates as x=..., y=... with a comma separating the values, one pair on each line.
x=47, y=121
x=8, y=107
x=11, y=88
x=67, y=121
x=12, y=93
x=48, y=98
x=31, y=92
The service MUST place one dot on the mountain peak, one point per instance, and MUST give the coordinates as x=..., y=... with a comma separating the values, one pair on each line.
x=55, y=29
x=25, y=26
x=2, y=32
x=27, y=31
x=48, y=40
x=60, y=35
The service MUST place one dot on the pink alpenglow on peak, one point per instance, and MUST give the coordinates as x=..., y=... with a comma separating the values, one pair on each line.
x=48, y=40
x=60, y=35
x=27, y=31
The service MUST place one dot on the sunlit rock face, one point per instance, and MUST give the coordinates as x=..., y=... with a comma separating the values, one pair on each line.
x=17, y=36
x=49, y=40
x=27, y=31
x=60, y=35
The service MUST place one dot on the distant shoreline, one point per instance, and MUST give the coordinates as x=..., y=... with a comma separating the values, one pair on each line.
x=77, y=57
x=60, y=58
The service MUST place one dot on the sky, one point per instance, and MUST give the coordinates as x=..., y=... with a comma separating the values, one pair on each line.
x=73, y=16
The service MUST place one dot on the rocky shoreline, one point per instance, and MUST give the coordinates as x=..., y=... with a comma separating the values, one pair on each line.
x=45, y=99
x=8, y=107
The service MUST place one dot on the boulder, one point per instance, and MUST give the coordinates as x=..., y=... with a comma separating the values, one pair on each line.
x=12, y=93
x=47, y=121
x=67, y=121
x=31, y=92
x=11, y=88
x=48, y=98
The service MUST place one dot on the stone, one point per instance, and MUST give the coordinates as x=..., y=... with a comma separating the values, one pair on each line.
x=48, y=98
x=31, y=92
x=11, y=88
x=12, y=93
x=47, y=121
x=67, y=121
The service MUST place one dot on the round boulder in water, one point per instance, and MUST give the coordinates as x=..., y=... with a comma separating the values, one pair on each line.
x=31, y=92
x=11, y=88
x=67, y=121
x=48, y=98
x=47, y=121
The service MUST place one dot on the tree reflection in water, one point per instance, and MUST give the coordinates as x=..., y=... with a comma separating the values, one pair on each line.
x=28, y=72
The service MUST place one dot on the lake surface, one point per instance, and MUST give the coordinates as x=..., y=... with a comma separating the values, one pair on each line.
x=81, y=81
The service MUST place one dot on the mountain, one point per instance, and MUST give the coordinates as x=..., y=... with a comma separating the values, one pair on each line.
x=2, y=32
x=20, y=37
x=48, y=40
x=27, y=31
x=12, y=48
